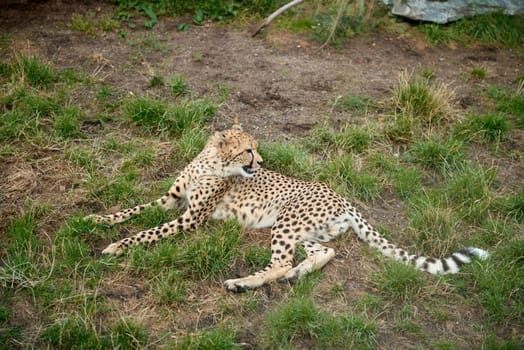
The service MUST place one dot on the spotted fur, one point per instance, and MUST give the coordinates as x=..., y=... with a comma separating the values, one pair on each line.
x=225, y=181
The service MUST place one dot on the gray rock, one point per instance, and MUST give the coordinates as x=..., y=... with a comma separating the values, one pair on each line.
x=444, y=11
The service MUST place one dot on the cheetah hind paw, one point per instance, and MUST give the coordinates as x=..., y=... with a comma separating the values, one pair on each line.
x=114, y=249
x=97, y=219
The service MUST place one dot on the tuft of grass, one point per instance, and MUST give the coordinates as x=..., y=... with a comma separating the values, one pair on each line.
x=493, y=29
x=257, y=257
x=213, y=254
x=67, y=123
x=363, y=185
x=301, y=320
x=352, y=103
x=145, y=111
x=424, y=103
x=156, y=81
x=499, y=281
x=178, y=86
x=127, y=334
x=444, y=156
x=71, y=333
x=157, y=116
x=89, y=24
x=123, y=189
x=486, y=128
x=398, y=281
x=190, y=144
x=427, y=74
x=470, y=191
x=351, y=139
x=219, y=338
x=202, y=257
x=433, y=226
x=513, y=206
x=84, y=23
x=407, y=182
x=287, y=158
x=169, y=288
x=33, y=71
x=478, y=73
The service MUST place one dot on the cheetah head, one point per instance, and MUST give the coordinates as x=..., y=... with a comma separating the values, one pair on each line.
x=238, y=151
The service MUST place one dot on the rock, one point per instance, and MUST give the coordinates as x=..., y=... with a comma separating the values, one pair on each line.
x=444, y=11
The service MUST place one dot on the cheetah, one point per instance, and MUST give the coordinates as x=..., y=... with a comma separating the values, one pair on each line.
x=226, y=181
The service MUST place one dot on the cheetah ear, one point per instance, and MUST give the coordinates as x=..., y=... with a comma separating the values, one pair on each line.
x=236, y=125
x=226, y=143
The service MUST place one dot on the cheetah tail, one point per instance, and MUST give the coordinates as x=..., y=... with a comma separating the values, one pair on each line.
x=448, y=265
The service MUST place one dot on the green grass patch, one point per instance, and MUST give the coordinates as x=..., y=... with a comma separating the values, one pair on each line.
x=493, y=29
x=478, y=73
x=35, y=72
x=24, y=265
x=353, y=103
x=158, y=116
x=72, y=333
x=67, y=123
x=513, y=206
x=499, y=281
x=178, y=85
x=422, y=102
x=444, y=156
x=471, y=192
x=349, y=139
x=219, y=338
x=169, y=288
x=407, y=182
x=196, y=256
x=300, y=320
x=398, y=281
x=287, y=158
x=341, y=174
x=491, y=128
x=434, y=225
x=190, y=144
x=89, y=23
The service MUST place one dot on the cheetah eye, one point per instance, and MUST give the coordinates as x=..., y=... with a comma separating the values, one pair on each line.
x=249, y=150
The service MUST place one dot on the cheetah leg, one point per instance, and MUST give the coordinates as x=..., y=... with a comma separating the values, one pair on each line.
x=172, y=199
x=201, y=204
x=153, y=234
x=317, y=257
x=282, y=252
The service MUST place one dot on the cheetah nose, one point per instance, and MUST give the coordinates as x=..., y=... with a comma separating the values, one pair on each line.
x=259, y=162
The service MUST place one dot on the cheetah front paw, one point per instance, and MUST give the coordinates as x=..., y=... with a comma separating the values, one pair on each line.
x=113, y=248
x=239, y=285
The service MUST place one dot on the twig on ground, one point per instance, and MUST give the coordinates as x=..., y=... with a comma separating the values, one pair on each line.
x=272, y=16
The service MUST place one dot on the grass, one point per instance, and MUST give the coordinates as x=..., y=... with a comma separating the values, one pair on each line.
x=157, y=116
x=301, y=320
x=478, y=73
x=490, y=128
x=493, y=29
x=424, y=103
x=178, y=85
x=403, y=283
x=442, y=156
x=410, y=165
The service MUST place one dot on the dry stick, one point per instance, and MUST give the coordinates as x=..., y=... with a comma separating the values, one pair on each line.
x=275, y=14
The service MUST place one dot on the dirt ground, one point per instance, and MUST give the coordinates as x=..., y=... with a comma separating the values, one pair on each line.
x=281, y=84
